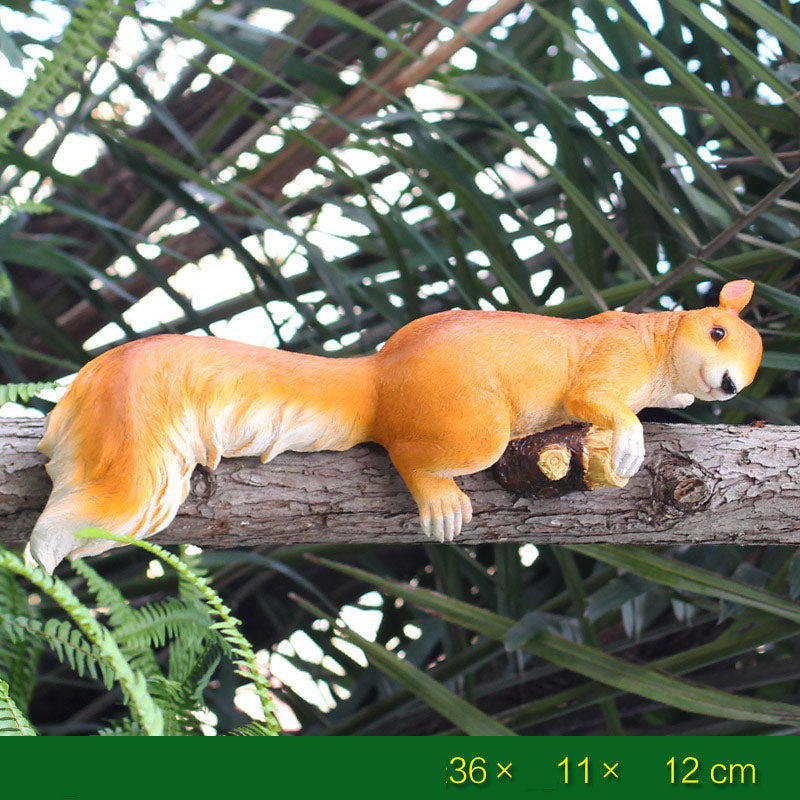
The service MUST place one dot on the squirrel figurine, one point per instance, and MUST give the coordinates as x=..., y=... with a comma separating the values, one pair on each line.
x=444, y=397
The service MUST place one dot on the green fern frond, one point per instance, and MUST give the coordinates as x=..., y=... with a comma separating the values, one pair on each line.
x=68, y=644
x=194, y=668
x=181, y=699
x=12, y=601
x=132, y=682
x=106, y=594
x=120, y=614
x=90, y=22
x=12, y=721
x=155, y=623
x=25, y=207
x=177, y=707
x=253, y=728
x=19, y=662
x=127, y=727
x=244, y=659
x=19, y=656
x=11, y=392
x=192, y=663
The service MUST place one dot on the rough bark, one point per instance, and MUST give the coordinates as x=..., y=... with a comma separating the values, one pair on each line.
x=700, y=484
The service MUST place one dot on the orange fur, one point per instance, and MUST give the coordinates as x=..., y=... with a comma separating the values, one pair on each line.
x=444, y=397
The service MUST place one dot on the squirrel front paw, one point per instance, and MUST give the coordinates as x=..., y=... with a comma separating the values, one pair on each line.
x=441, y=517
x=628, y=450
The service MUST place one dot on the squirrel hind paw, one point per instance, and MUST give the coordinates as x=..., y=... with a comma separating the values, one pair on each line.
x=443, y=517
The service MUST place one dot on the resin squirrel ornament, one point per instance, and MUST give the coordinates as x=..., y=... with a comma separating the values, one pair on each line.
x=444, y=396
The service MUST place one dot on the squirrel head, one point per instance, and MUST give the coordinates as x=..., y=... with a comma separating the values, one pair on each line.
x=715, y=353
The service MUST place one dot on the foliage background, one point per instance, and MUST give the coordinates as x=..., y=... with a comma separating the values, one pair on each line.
x=312, y=174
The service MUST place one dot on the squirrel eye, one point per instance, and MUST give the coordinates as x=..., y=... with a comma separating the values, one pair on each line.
x=717, y=334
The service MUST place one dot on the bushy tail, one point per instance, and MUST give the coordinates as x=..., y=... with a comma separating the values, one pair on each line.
x=125, y=438
x=53, y=538
x=107, y=473
x=136, y=513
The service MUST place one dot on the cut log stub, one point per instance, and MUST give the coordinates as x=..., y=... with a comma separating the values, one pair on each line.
x=561, y=460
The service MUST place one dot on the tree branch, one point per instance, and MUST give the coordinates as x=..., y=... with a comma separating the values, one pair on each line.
x=699, y=484
x=720, y=240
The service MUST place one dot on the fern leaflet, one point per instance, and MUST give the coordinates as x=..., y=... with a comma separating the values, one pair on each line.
x=68, y=644
x=19, y=657
x=253, y=728
x=24, y=207
x=154, y=623
x=12, y=721
x=119, y=611
x=79, y=43
x=11, y=392
x=119, y=614
x=127, y=727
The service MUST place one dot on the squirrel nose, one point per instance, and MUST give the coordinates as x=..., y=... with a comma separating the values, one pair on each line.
x=728, y=386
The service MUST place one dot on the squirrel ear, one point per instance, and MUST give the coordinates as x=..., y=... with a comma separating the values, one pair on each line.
x=735, y=295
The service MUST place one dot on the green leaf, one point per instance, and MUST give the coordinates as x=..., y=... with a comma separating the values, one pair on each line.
x=27, y=163
x=226, y=625
x=67, y=643
x=19, y=657
x=11, y=392
x=737, y=640
x=587, y=661
x=745, y=572
x=80, y=40
x=131, y=680
x=611, y=596
x=649, y=117
x=722, y=113
x=537, y=621
x=688, y=578
x=778, y=360
x=8, y=47
x=472, y=721
x=740, y=52
x=793, y=576
x=772, y=21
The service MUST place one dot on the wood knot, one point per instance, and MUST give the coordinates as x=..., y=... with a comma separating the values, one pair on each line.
x=690, y=492
x=680, y=485
x=203, y=483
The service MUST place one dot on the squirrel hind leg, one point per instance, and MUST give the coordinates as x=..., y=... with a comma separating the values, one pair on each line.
x=443, y=507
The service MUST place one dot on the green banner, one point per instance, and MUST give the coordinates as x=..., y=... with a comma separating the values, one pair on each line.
x=409, y=767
